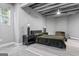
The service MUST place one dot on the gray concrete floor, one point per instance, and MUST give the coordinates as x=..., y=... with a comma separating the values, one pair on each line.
x=42, y=50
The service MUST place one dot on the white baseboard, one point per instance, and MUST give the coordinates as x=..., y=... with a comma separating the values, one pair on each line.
x=18, y=44
x=74, y=38
x=7, y=44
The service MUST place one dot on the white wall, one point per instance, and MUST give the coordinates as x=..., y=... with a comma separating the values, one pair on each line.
x=50, y=23
x=16, y=23
x=68, y=24
x=26, y=16
x=7, y=31
x=57, y=24
x=61, y=24
x=74, y=26
x=21, y=17
x=33, y=18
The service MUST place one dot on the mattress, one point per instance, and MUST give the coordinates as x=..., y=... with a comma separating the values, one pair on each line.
x=52, y=40
x=54, y=37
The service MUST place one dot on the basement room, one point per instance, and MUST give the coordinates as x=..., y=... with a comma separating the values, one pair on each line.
x=39, y=29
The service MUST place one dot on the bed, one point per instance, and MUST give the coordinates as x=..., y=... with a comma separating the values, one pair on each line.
x=51, y=40
x=57, y=40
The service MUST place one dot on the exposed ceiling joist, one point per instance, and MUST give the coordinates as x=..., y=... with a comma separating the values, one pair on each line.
x=71, y=9
x=70, y=4
x=51, y=7
x=65, y=11
x=61, y=7
x=69, y=12
x=63, y=14
x=44, y=6
x=35, y=5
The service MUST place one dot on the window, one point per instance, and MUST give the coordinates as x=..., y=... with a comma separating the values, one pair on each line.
x=4, y=15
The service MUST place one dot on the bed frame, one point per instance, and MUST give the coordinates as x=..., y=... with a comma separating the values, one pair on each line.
x=52, y=40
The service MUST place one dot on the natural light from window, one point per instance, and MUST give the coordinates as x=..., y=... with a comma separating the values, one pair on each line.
x=4, y=16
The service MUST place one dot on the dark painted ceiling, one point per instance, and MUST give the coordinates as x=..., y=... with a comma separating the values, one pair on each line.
x=50, y=9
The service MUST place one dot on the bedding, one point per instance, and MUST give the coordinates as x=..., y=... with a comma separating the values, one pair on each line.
x=52, y=37
x=52, y=40
x=56, y=40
